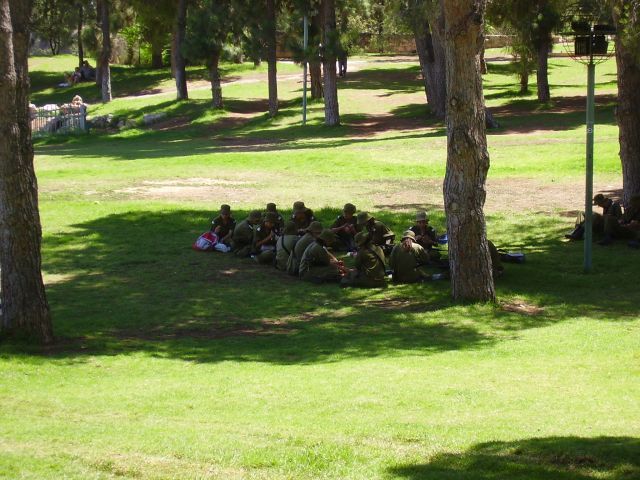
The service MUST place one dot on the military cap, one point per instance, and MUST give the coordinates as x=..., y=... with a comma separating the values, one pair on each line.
x=349, y=208
x=271, y=217
x=599, y=198
x=314, y=227
x=271, y=207
x=409, y=234
x=255, y=216
x=363, y=217
x=299, y=207
x=225, y=209
x=290, y=228
x=421, y=216
x=361, y=238
x=327, y=236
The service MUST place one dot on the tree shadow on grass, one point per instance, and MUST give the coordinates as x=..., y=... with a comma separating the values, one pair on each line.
x=130, y=282
x=557, y=458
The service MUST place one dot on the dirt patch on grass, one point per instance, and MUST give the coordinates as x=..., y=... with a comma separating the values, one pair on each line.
x=522, y=307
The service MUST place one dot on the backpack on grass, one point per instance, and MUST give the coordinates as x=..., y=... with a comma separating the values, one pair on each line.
x=206, y=242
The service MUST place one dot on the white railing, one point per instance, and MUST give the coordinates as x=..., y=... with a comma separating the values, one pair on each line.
x=52, y=119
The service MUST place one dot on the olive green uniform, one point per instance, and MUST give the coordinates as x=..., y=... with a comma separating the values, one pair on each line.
x=369, y=269
x=315, y=265
x=293, y=263
x=344, y=239
x=303, y=222
x=428, y=236
x=242, y=239
x=284, y=249
x=381, y=235
x=265, y=254
x=226, y=228
x=407, y=264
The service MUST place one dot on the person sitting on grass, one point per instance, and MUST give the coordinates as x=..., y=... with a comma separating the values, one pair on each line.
x=285, y=245
x=627, y=226
x=426, y=235
x=317, y=264
x=610, y=208
x=312, y=232
x=223, y=226
x=344, y=227
x=407, y=260
x=381, y=235
x=87, y=72
x=369, y=271
x=242, y=238
x=279, y=224
x=302, y=217
x=264, y=239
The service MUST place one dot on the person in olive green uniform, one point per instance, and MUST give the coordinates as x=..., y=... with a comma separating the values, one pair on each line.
x=344, y=229
x=279, y=225
x=317, y=264
x=223, y=226
x=627, y=226
x=242, y=239
x=313, y=230
x=302, y=217
x=407, y=259
x=381, y=235
x=369, y=269
x=264, y=239
x=426, y=235
x=610, y=208
x=285, y=245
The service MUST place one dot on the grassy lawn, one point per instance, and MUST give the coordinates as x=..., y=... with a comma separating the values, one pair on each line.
x=177, y=364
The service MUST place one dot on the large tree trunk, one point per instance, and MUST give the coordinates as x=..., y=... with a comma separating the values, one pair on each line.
x=80, y=44
x=156, y=53
x=436, y=65
x=214, y=76
x=315, y=66
x=628, y=116
x=467, y=155
x=179, y=61
x=105, y=54
x=25, y=310
x=173, y=54
x=542, y=74
x=421, y=37
x=315, y=72
x=271, y=57
x=331, y=108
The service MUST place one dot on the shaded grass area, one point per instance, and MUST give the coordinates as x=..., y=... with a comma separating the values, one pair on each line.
x=562, y=458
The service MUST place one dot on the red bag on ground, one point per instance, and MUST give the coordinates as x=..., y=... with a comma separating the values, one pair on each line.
x=206, y=242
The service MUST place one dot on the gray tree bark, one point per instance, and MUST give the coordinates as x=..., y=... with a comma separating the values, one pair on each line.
x=178, y=58
x=271, y=58
x=467, y=155
x=542, y=73
x=628, y=113
x=105, y=54
x=214, y=76
x=331, y=107
x=25, y=310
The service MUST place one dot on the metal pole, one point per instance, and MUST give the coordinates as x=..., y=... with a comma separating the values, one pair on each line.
x=588, y=197
x=304, y=82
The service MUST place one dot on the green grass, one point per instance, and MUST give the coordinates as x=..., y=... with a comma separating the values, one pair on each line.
x=177, y=364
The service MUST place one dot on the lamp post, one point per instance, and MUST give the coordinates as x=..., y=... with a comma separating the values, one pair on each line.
x=591, y=43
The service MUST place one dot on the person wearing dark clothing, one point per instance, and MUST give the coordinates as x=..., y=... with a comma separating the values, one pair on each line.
x=610, y=210
x=344, y=228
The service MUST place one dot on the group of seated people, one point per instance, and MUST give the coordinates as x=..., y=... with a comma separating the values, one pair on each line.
x=613, y=223
x=85, y=73
x=303, y=247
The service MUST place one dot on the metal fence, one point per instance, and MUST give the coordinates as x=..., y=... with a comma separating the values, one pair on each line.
x=52, y=119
